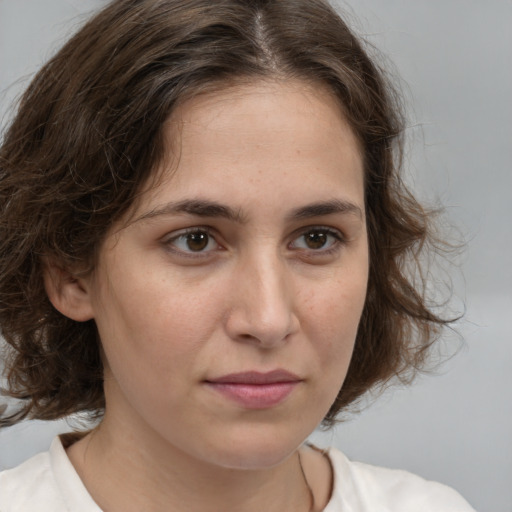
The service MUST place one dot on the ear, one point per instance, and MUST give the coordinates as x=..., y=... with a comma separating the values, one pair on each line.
x=69, y=294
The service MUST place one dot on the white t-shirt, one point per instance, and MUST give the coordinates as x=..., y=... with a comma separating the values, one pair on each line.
x=48, y=482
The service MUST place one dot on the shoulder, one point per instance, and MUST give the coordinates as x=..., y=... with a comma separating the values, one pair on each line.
x=47, y=482
x=29, y=486
x=364, y=488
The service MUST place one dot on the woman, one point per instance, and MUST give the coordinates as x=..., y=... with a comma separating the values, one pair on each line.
x=205, y=244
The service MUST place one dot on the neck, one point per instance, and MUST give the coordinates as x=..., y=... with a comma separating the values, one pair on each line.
x=129, y=473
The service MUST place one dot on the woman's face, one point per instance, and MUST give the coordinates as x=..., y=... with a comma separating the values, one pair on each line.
x=228, y=306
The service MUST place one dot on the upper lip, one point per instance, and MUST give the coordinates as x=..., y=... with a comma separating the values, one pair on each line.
x=255, y=377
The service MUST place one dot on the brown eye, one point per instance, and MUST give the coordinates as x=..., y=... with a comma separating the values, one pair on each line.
x=193, y=241
x=315, y=239
x=320, y=240
x=197, y=241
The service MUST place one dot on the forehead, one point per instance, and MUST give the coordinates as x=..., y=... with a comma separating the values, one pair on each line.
x=262, y=132
x=248, y=110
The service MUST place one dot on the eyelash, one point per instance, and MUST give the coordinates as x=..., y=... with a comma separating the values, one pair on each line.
x=339, y=240
x=169, y=241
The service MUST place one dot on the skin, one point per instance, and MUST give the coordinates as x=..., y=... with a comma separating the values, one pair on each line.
x=262, y=289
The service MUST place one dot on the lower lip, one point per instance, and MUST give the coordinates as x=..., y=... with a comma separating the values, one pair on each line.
x=255, y=396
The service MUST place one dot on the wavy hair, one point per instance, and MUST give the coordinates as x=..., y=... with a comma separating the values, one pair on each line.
x=87, y=137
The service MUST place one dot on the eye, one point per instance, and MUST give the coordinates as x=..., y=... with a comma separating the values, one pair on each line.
x=318, y=240
x=197, y=240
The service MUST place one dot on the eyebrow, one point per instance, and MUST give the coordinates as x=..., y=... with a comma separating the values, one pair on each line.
x=212, y=209
x=320, y=209
x=198, y=207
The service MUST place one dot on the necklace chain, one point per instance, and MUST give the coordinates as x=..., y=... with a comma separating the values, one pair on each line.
x=310, y=491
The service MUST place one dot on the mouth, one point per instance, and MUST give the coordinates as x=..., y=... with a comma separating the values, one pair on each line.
x=255, y=390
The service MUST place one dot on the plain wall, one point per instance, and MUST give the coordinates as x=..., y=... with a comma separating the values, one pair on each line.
x=455, y=58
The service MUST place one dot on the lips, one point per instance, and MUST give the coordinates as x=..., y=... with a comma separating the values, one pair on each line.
x=255, y=390
x=257, y=378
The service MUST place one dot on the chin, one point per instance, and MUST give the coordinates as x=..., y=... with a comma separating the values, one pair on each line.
x=256, y=450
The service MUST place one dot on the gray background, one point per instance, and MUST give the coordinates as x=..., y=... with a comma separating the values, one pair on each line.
x=455, y=58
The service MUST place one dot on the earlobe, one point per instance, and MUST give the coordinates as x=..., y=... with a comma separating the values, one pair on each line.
x=68, y=294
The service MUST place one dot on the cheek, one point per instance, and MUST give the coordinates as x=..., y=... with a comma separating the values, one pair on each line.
x=153, y=333
x=333, y=319
x=152, y=311
x=149, y=346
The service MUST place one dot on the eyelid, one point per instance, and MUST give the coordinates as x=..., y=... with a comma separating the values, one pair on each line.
x=334, y=232
x=171, y=237
x=340, y=239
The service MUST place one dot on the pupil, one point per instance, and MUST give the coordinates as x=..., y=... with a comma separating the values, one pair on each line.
x=316, y=240
x=197, y=241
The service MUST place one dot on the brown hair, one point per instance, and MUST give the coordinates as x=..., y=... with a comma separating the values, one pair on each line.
x=88, y=135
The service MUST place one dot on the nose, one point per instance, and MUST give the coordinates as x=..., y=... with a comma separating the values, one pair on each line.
x=263, y=303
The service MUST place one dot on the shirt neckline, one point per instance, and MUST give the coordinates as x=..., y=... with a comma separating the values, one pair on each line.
x=71, y=487
x=77, y=497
